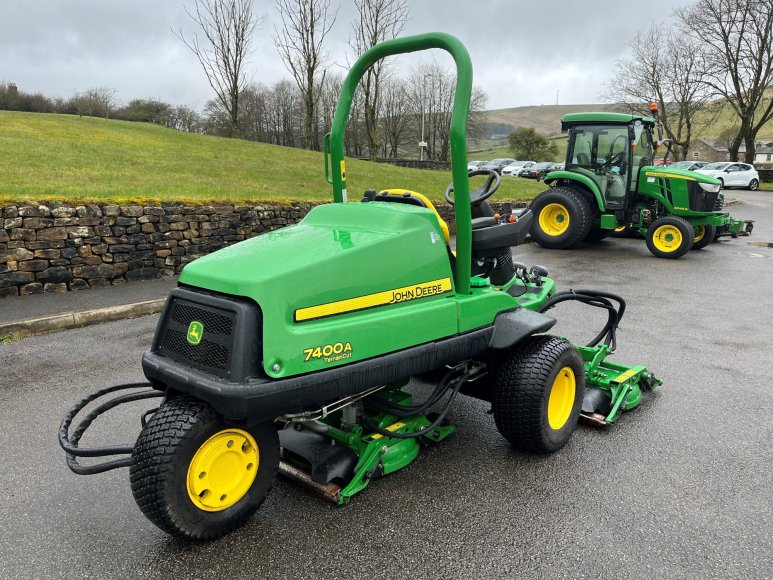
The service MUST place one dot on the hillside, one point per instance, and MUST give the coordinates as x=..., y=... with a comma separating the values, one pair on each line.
x=70, y=158
x=547, y=118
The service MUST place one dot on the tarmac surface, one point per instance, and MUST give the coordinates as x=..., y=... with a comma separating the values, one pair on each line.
x=679, y=488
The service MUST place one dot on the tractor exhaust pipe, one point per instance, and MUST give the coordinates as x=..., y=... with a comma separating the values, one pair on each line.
x=329, y=491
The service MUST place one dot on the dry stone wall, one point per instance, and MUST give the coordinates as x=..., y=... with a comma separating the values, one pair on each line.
x=60, y=247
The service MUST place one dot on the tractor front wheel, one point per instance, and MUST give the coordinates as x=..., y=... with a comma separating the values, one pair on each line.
x=670, y=237
x=195, y=476
x=563, y=218
x=538, y=392
x=704, y=235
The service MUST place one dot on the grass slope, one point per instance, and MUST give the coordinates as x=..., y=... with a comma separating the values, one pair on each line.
x=68, y=158
x=546, y=119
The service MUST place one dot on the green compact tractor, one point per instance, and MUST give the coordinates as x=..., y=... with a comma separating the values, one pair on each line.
x=290, y=352
x=609, y=184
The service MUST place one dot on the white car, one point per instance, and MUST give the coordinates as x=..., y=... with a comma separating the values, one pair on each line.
x=515, y=167
x=733, y=174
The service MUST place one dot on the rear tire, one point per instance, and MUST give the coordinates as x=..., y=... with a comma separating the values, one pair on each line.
x=754, y=185
x=538, y=391
x=704, y=235
x=186, y=434
x=670, y=237
x=562, y=218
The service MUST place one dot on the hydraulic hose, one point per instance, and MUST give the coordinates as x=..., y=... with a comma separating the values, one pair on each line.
x=599, y=299
x=446, y=385
x=69, y=442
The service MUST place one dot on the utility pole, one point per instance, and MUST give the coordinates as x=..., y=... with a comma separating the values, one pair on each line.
x=423, y=143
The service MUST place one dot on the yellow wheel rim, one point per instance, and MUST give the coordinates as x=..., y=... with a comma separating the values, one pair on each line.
x=561, y=398
x=222, y=470
x=554, y=219
x=620, y=229
x=700, y=231
x=667, y=238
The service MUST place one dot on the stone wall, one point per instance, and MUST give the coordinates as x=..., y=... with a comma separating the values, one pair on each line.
x=56, y=248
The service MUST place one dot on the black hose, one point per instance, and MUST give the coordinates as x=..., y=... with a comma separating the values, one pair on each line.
x=69, y=442
x=600, y=299
x=452, y=386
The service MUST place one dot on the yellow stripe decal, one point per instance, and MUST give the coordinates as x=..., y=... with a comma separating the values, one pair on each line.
x=393, y=427
x=670, y=176
x=624, y=376
x=404, y=294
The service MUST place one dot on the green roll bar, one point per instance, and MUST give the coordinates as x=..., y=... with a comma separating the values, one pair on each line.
x=334, y=145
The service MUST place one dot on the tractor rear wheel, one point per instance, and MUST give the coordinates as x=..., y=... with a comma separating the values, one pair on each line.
x=195, y=476
x=538, y=392
x=563, y=218
x=704, y=235
x=670, y=237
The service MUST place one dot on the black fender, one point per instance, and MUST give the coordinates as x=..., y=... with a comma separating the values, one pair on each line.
x=514, y=325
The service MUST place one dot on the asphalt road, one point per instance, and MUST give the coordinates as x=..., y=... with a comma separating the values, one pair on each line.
x=680, y=488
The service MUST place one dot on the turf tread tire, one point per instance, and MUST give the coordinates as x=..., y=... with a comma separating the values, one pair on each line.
x=163, y=451
x=709, y=235
x=580, y=216
x=522, y=386
x=684, y=226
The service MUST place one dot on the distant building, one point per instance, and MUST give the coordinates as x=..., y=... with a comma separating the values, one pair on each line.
x=710, y=150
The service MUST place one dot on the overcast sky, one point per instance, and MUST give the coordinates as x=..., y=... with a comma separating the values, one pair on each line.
x=522, y=51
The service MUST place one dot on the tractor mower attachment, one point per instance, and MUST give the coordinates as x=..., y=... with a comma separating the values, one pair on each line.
x=289, y=351
x=610, y=388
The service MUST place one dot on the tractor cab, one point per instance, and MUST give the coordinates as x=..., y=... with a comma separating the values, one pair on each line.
x=610, y=149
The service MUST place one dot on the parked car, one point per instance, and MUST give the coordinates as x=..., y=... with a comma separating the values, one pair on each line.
x=516, y=167
x=536, y=170
x=660, y=162
x=733, y=174
x=473, y=165
x=496, y=164
x=557, y=166
x=689, y=165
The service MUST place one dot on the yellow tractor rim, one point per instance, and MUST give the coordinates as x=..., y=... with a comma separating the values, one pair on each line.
x=561, y=398
x=222, y=470
x=620, y=229
x=554, y=219
x=667, y=238
x=700, y=231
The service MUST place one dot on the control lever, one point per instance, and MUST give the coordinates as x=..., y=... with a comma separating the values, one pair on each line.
x=537, y=272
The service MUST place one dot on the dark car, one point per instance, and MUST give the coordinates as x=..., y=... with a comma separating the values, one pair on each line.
x=496, y=164
x=537, y=170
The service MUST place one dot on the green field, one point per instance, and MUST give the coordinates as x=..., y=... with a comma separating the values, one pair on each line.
x=67, y=158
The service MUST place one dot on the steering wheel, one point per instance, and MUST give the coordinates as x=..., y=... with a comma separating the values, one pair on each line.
x=478, y=196
x=616, y=158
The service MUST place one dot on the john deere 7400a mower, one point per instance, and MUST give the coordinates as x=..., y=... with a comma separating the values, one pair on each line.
x=290, y=351
x=609, y=183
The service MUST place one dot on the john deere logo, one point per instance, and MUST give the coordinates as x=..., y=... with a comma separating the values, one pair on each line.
x=195, y=332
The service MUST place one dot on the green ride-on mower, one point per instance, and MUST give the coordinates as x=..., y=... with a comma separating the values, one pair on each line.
x=609, y=186
x=290, y=351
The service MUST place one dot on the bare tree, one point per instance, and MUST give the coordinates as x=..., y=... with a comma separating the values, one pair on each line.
x=664, y=69
x=433, y=89
x=375, y=21
x=300, y=42
x=226, y=27
x=395, y=115
x=737, y=61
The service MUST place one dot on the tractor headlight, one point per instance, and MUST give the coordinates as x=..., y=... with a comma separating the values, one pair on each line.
x=710, y=187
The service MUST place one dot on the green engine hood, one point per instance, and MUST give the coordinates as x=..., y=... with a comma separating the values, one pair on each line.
x=674, y=173
x=338, y=253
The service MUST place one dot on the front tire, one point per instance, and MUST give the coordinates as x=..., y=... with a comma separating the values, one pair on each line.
x=670, y=237
x=538, y=393
x=754, y=185
x=704, y=235
x=196, y=477
x=562, y=218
